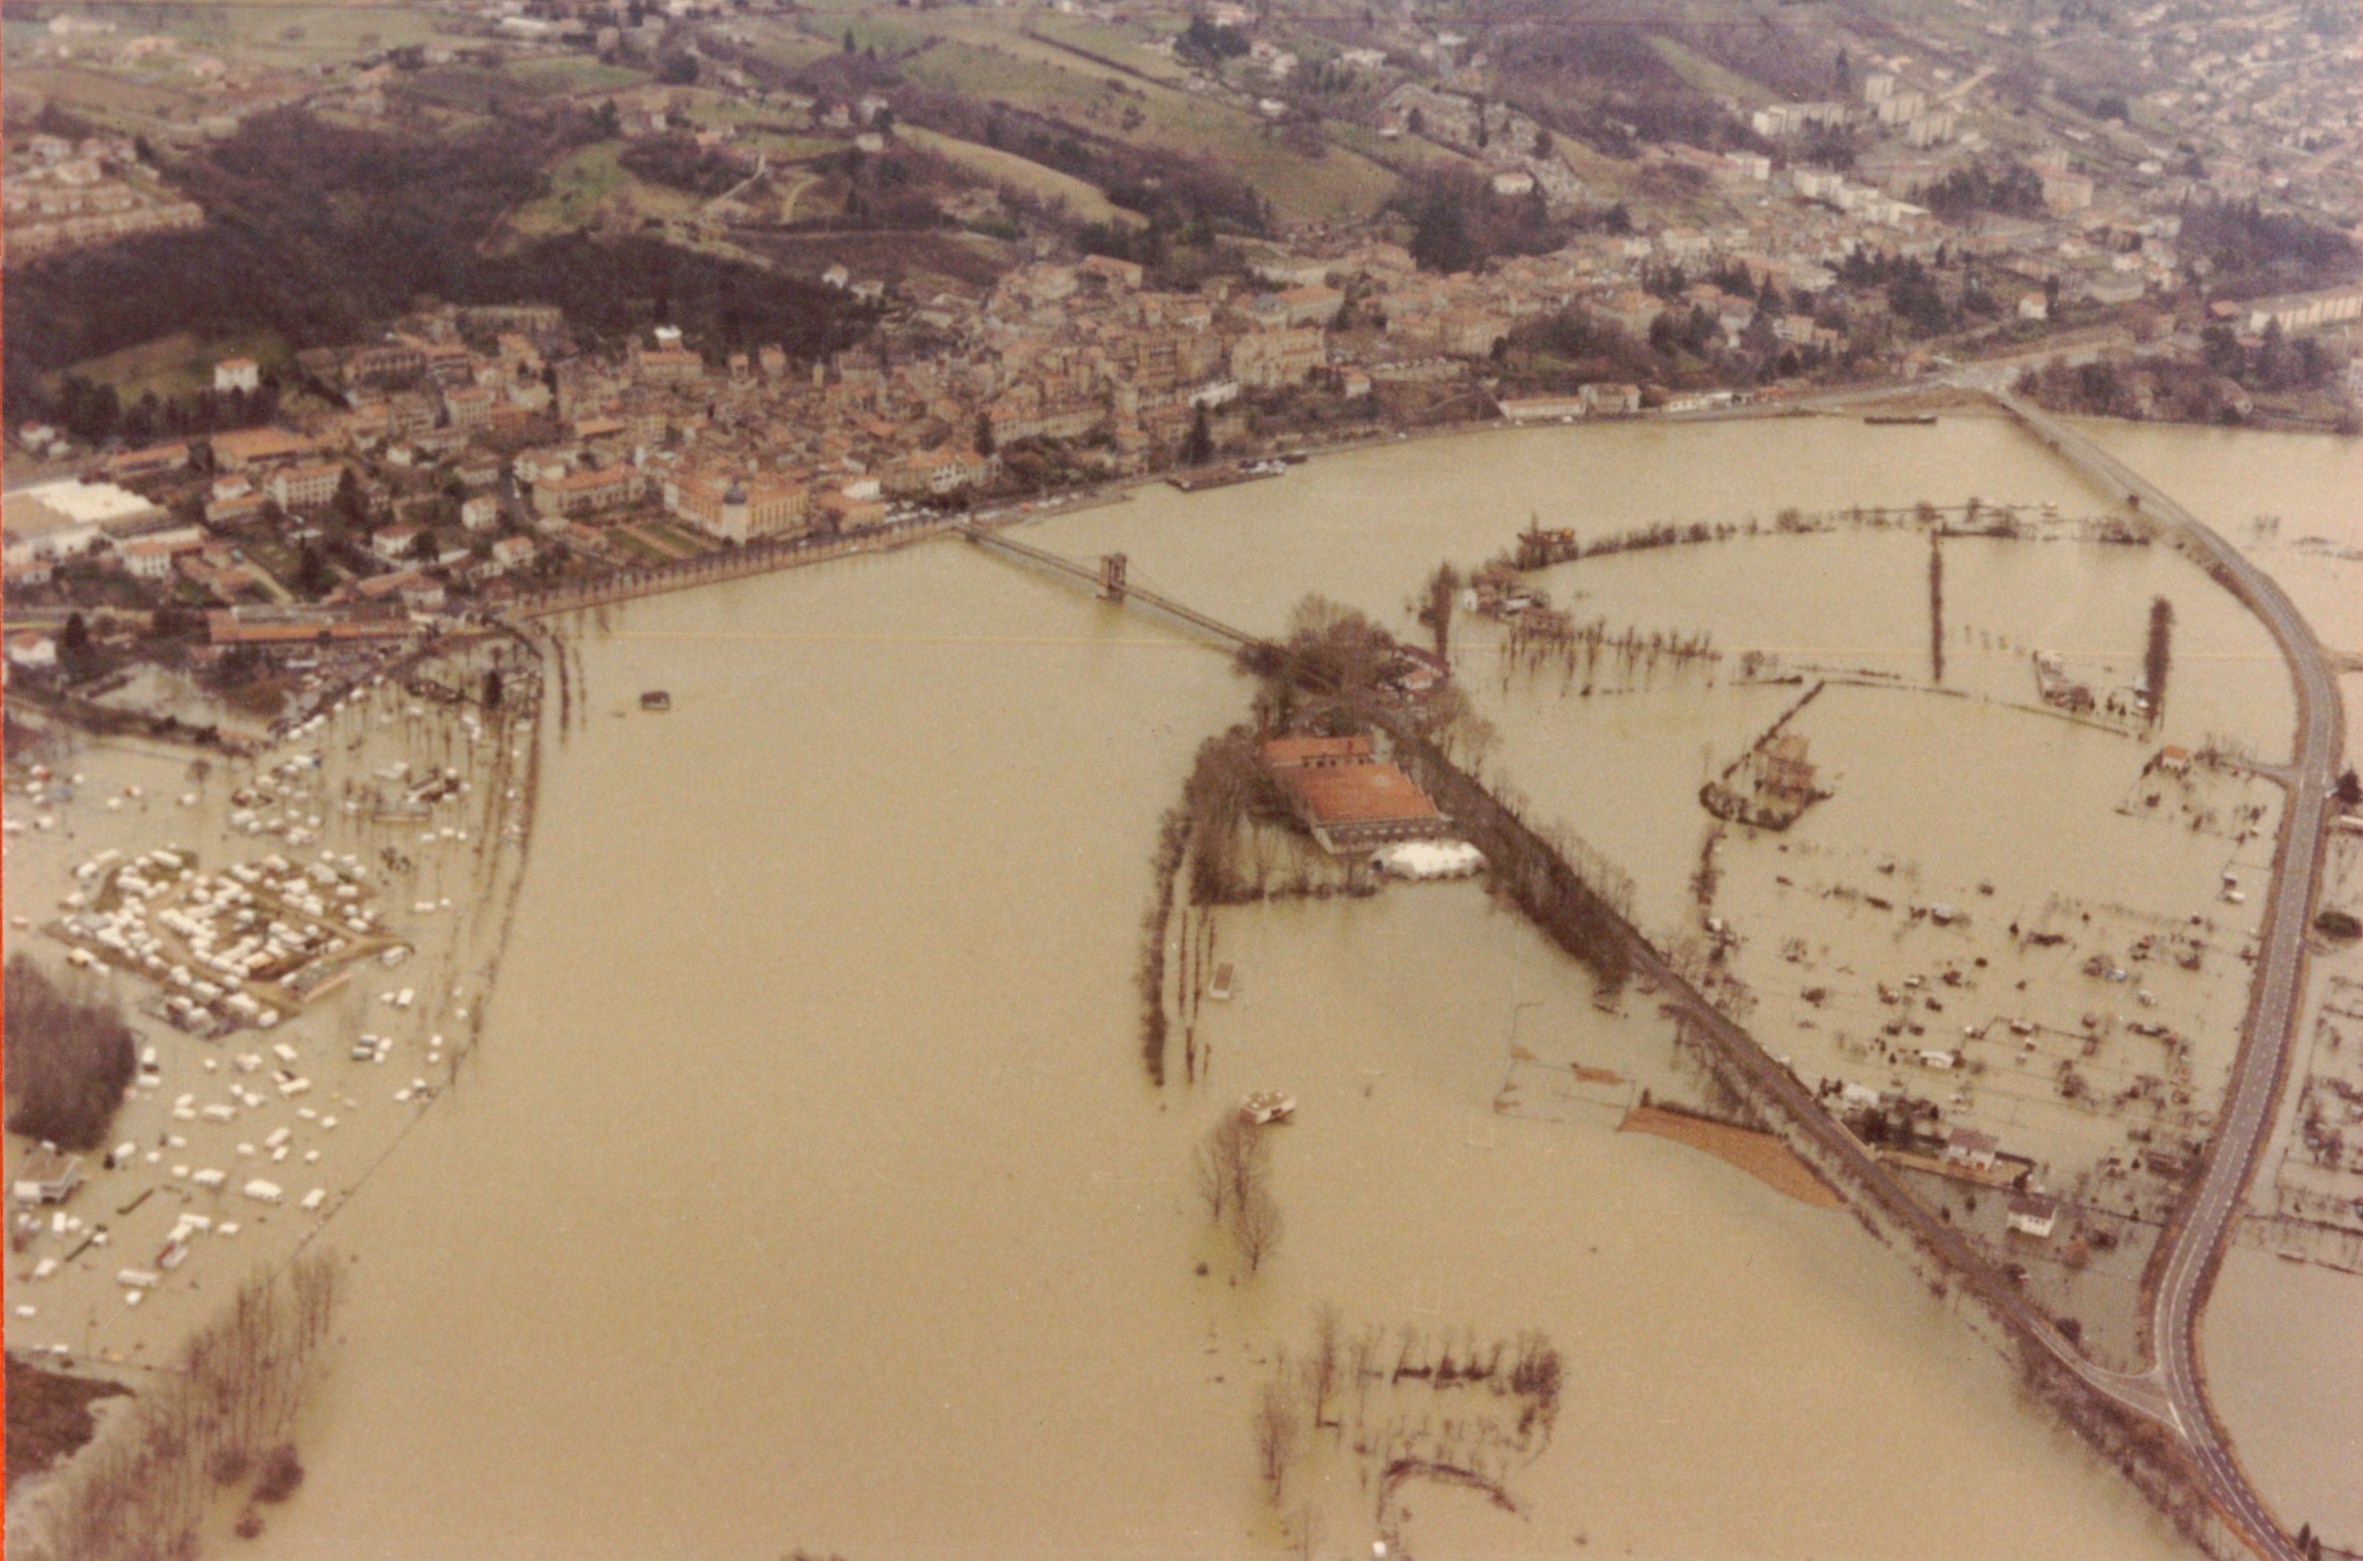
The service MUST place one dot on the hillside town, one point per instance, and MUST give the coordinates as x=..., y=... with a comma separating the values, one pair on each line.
x=277, y=512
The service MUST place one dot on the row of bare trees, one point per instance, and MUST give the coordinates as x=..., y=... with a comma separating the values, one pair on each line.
x=2158, y=657
x=219, y=1418
x=1547, y=638
x=1173, y=837
x=1579, y=899
x=1537, y=548
x=1202, y=834
x=1386, y=1404
x=1197, y=955
x=1232, y=1170
x=1936, y=606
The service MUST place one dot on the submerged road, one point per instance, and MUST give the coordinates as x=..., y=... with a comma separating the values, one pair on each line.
x=2210, y=1211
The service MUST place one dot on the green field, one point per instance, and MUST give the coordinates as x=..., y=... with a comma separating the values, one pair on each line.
x=1709, y=77
x=572, y=73
x=1082, y=199
x=785, y=148
x=688, y=541
x=469, y=87
x=98, y=93
x=1119, y=44
x=791, y=48
x=591, y=188
x=1042, y=78
x=642, y=550
x=281, y=33
x=177, y=364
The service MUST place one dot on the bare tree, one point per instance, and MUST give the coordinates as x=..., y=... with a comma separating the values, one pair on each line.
x=1277, y=1425
x=69, y=1058
x=1408, y=1340
x=1244, y=1155
x=1307, y=1523
x=1256, y=1222
x=1443, y=586
x=1210, y=1176
x=1362, y=1361
x=1321, y=1367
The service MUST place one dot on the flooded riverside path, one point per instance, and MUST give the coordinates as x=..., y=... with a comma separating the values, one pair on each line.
x=806, y=1191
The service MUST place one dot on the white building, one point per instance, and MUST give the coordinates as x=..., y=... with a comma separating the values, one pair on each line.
x=2034, y=1216
x=55, y=519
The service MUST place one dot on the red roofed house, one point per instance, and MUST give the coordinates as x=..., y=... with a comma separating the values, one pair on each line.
x=237, y=450
x=579, y=493
x=1349, y=798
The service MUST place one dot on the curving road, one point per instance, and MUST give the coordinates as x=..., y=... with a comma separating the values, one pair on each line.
x=2205, y=1222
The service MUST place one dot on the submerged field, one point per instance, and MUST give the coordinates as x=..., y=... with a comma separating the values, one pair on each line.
x=811, y=1124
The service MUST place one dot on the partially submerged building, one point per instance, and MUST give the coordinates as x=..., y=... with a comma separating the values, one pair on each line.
x=1769, y=787
x=1349, y=798
x=2031, y=1214
x=47, y=1176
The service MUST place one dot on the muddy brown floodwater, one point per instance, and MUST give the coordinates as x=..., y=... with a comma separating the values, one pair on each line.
x=2281, y=1340
x=807, y=1190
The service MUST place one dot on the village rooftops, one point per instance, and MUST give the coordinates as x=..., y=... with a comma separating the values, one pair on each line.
x=249, y=446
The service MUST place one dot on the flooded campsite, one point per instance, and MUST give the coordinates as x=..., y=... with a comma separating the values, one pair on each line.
x=726, y=1115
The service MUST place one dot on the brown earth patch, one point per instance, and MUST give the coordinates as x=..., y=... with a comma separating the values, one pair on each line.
x=1761, y=1155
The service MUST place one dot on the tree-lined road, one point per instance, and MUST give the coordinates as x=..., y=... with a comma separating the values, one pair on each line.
x=2205, y=1222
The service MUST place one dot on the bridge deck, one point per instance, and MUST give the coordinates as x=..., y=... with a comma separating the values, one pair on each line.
x=1205, y=623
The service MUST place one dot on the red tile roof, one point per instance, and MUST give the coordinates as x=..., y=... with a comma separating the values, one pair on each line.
x=1367, y=793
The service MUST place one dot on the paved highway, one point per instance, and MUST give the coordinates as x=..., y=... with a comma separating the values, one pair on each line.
x=2211, y=1211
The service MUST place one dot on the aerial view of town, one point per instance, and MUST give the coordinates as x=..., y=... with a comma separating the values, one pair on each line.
x=1188, y=779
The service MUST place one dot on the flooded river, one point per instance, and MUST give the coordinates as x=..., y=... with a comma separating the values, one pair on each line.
x=807, y=1192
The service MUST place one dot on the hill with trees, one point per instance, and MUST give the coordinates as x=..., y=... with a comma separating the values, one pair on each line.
x=319, y=232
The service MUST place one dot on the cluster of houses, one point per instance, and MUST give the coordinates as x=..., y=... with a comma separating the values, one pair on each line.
x=1910, y=1135
x=59, y=194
